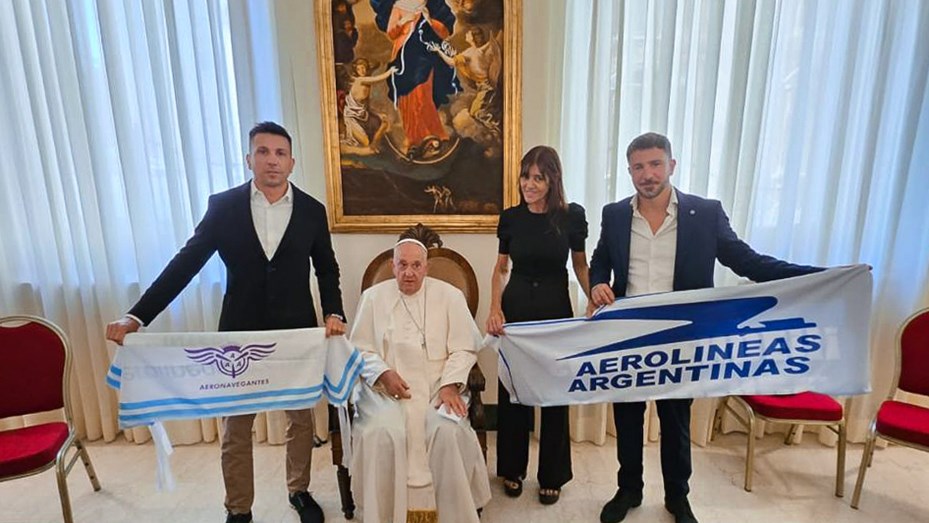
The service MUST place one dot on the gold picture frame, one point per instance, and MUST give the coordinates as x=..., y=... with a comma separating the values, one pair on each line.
x=390, y=163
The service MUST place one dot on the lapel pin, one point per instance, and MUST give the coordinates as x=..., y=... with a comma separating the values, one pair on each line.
x=693, y=212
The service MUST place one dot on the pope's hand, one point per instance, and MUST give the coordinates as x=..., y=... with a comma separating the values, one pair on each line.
x=449, y=395
x=394, y=385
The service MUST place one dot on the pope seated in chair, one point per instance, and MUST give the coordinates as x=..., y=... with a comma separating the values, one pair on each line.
x=413, y=447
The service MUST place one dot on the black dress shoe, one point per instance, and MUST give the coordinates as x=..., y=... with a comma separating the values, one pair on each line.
x=615, y=509
x=680, y=507
x=239, y=518
x=307, y=507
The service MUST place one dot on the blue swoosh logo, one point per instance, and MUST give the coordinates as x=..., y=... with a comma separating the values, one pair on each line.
x=707, y=319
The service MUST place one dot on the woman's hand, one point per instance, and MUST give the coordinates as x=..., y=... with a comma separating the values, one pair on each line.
x=495, y=321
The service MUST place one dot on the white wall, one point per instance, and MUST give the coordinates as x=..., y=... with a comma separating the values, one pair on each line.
x=300, y=85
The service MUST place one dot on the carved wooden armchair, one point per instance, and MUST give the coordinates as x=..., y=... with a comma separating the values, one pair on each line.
x=449, y=266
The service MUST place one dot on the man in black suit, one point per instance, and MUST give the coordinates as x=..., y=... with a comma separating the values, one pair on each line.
x=661, y=240
x=266, y=232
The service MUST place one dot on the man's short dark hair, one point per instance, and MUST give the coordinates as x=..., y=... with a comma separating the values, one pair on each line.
x=268, y=128
x=649, y=141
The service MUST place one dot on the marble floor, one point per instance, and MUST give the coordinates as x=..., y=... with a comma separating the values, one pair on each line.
x=792, y=484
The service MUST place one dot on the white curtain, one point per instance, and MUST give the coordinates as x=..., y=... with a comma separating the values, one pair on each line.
x=809, y=120
x=119, y=119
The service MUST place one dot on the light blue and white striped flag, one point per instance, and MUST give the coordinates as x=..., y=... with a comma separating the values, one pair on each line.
x=173, y=376
x=166, y=376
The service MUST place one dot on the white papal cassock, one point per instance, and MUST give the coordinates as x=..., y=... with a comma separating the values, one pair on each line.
x=405, y=455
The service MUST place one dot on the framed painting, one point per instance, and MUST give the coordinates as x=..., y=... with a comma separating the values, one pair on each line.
x=421, y=112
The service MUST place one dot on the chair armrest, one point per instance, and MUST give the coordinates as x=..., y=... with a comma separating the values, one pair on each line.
x=476, y=380
x=476, y=385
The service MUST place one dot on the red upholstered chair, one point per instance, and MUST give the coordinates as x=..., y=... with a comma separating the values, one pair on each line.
x=804, y=408
x=34, y=377
x=896, y=421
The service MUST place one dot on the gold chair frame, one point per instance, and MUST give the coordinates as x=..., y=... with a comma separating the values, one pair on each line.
x=749, y=422
x=62, y=463
x=867, y=457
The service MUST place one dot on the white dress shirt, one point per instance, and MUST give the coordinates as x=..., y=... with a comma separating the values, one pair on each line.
x=271, y=219
x=652, y=255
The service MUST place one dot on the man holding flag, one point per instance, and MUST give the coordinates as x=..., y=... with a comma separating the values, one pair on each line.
x=267, y=232
x=662, y=240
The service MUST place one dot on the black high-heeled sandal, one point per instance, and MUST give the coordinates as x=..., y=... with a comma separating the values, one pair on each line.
x=510, y=490
x=549, y=499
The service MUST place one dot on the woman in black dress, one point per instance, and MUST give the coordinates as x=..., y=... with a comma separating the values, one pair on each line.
x=537, y=235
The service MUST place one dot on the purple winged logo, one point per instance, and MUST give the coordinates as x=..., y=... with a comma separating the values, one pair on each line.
x=231, y=360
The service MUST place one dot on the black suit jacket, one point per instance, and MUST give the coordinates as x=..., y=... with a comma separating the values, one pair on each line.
x=703, y=236
x=261, y=294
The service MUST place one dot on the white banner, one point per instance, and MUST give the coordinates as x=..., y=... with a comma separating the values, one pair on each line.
x=808, y=333
x=206, y=374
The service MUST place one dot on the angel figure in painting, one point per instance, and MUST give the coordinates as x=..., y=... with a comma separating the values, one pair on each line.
x=480, y=64
x=363, y=129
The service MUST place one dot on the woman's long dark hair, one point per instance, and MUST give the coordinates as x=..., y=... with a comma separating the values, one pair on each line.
x=549, y=164
x=546, y=159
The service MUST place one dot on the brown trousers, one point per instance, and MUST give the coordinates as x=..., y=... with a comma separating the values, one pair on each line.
x=238, y=467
